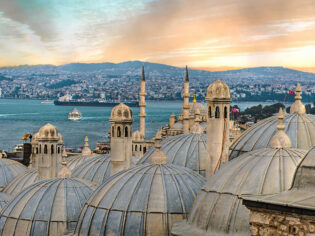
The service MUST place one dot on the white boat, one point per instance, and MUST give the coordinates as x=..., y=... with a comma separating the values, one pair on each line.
x=74, y=115
x=47, y=102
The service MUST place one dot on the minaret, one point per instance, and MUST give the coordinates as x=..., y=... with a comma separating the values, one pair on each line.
x=142, y=103
x=121, y=138
x=298, y=107
x=218, y=118
x=86, y=150
x=47, y=153
x=186, y=104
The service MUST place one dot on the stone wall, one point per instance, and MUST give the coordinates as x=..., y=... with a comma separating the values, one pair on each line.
x=268, y=222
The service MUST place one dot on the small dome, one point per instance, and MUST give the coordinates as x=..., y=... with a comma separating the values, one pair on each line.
x=188, y=150
x=74, y=161
x=197, y=129
x=4, y=198
x=9, y=169
x=21, y=181
x=218, y=209
x=299, y=127
x=193, y=107
x=120, y=113
x=137, y=136
x=144, y=200
x=218, y=90
x=96, y=169
x=178, y=126
x=48, y=207
x=48, y=131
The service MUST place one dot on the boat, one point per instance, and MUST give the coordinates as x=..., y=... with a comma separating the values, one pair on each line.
x=94, y=103
x=47, y=102
x=74, y=115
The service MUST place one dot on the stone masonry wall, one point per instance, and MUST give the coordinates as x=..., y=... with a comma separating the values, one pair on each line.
x=267, y=222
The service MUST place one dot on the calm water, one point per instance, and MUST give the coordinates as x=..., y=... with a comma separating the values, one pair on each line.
x=18, y=117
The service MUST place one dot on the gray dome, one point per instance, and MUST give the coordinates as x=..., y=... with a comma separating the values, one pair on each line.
x=9, y=169
x=48, y=207
x=21, y=181
x=4, y=198
x=218, y=209
x=178, y=126
x=188, y=150
x=96, y=169
x=144, y=200
x=193, y=106
x=299, y=128
x=75, y=161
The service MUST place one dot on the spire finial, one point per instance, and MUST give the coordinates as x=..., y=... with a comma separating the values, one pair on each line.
x=186, y=75
x=280, y=139
x=158, y=157
x=64, y=172
x=142, y=74
x=194, y=100
x=298, y=107
x=86, y=150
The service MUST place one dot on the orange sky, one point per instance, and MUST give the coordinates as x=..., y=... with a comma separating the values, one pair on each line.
x=201, y=34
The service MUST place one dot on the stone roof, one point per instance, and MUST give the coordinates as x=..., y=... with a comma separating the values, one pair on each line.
x=144, y=200
x=121, y=113
x=218, y=90
x=188, y=150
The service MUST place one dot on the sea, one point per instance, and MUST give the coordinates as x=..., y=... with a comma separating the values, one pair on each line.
x=20, y=116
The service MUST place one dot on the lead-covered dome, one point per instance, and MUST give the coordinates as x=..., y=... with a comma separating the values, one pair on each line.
x=193, y=107
x=144, y=200
x=21, y=181
x=96, y=169
x=4, y=198
x=120, y=113
x=74, y=161
x=218, y=90
x=218, y=210
x=9, y=169
x=48, y=207
x=299, y=127
x=188, y=150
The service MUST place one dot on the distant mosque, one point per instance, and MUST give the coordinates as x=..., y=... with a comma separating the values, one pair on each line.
x=198, y=176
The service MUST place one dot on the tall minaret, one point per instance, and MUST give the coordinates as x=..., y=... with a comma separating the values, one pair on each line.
x=47, y=152
x=121, y=138
x=218, y=116
x=298, y=107
x=142, y=103
x=186, y=104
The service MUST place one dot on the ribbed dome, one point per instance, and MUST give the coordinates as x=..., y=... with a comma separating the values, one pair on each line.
x=178, y=126
x=48, y=207
x=218, y=90
x=218, y=210
x=9, y=169
x=75, y=161
x=299, y=127
x=193, y=107
x=21, y=181
x=137, y=136
x=188, y=150
x=120, y=113
x=48, y=131
x=4, y=198
x=144, y=200
x=96, y=169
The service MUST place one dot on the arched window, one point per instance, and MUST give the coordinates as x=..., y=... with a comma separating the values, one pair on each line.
x=126, y=131
x=118, y=132
x=140, y=148
x=225, y=112
x=40, y=148
x=217, y=112
x=136, y=148
x=58, y=149
x=144, y=149
x=210, y=113
x=113, y=131
x=52, y=149
x=37, y=150
x=45, y=149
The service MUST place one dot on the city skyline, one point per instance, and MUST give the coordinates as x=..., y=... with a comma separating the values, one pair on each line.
x=207, y=35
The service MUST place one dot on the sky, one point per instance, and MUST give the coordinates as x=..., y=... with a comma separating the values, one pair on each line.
x=200, y=33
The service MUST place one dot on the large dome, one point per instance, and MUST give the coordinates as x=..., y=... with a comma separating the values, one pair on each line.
x=218, y=209
x=144, y=200
x=96, y=169
x=48, y=207
x=21, y=181
x=188, y=150
x=299, y=127
x=9, y=169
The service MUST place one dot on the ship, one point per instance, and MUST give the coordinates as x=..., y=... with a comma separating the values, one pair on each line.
x=74, y=115
x=95, y=103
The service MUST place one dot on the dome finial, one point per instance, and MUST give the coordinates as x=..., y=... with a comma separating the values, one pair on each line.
x=298, y=107
x=64, y=172
x=280, y=139
x=86, y=150
x=158, y=157
x=194, y=100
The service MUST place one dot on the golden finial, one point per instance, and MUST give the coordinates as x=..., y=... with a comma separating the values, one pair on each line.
x=194, y=100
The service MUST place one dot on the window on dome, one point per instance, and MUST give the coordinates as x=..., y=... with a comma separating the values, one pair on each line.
x=225, y=112
x=210, y=113
x=118, y=132
x=113, y=131
x=136, y=148
x=45, y=149
x=217, y=112
x=126, y=131
x=52, y=149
